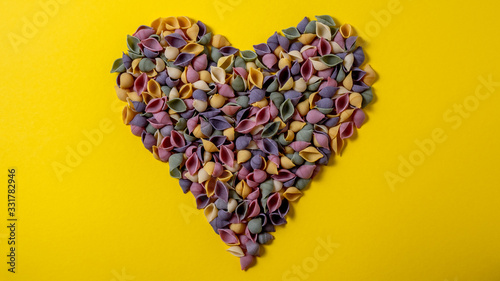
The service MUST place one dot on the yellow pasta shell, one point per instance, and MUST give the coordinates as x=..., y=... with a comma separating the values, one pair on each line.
x=286, y=162
x=184, y=22
x=217, y=101
x=255, y=78
x=370, y=76
x=243, y=189
x=296, y=126
x=310, y=154
x=243, y=156
x=193, y=48
x=346, y=30
x=306, y=38
x=219, y=41
x=292, y=194
x=356, y=99
x=210, y=212
x=154, y=88
x=121, y=93
x=171, y=23
x=229, y=133
x=209, y=146
x=238, y=228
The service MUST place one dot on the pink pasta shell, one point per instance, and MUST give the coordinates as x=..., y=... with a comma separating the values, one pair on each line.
x=346, y=130
x=274, y=202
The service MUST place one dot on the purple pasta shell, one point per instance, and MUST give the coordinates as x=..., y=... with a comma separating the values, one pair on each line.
x=262, y=49
x=172, y=82
x=270, y=146
x=256, y=95
x=325, y=103
x=139, y=120
x=185, y=185
x=183, y=59
x=150, y=54
x=296, y=46
x=202, y=29
x=200, y=95
x=328, y=92
x=359, y=56
x=228, y=50
x=242, y=142
x=219, y=123
x=127, y=61
x=148, y=140
x=301, y=27
x=294, y=96
x=273, y=42
x=349, y=42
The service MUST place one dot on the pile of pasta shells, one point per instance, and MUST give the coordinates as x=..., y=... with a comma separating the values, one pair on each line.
x=243, y=131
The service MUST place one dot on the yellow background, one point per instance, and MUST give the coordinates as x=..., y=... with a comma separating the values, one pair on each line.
x=119, y=210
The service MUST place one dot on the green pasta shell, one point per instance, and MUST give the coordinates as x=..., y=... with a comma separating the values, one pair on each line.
x=118, y=66
x=286, y=110
x=177, y=105
x=270, y=129
x=326, y=19
x=291, y=33
x=331, y=60
x=248, y=55
x=146, y=65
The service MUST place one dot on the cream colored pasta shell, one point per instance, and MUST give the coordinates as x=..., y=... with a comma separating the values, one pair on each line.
x=296, y=56
x=201, y=85
x=322, y=30
x=300, y=85
x=231, y=205
x=348, y=61
x=235, y=250
x=318, y=64
x=173, y=94
x=174, y=73
x=218, y=75
x=171, y=53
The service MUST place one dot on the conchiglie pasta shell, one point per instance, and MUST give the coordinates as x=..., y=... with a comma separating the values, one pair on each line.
x=219, y=41
x=370, y=76
x=236, y=250
x=210, y=212
x=292, y=194
x=322, y=30
x=193, y=48
x=171, y=23
x=346, y=30
x=310, y=154
x=184, y=22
